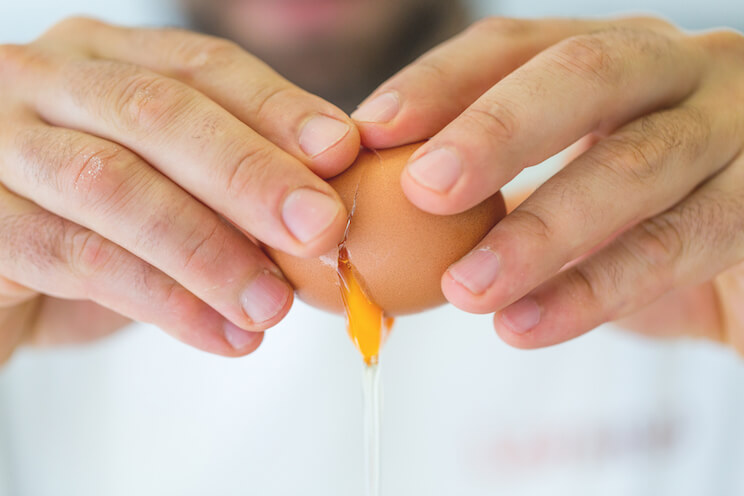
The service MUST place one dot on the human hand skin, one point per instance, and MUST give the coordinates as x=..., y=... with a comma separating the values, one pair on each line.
x=138, y=167
x=651, y=210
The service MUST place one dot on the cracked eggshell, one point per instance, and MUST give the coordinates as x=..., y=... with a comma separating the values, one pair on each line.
x=399, y=253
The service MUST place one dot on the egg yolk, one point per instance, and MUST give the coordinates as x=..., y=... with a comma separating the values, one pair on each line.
x=365, y=320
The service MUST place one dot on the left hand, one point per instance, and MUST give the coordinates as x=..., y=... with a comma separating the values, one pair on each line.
x=654, y=205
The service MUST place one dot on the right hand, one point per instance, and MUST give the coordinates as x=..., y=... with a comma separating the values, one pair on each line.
x=137, y=169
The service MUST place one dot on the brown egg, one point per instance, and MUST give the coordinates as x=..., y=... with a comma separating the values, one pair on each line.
x=399, y=252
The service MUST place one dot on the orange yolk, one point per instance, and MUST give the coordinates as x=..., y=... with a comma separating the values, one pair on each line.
x=365, y=320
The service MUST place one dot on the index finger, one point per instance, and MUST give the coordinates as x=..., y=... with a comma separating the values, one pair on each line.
x=195, y=143
x=420, y=100
x=314, y=131
x=587, y=83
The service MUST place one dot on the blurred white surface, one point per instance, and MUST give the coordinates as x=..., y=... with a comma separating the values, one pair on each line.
x=609, y=413
x=22, y=21
x=690, y=15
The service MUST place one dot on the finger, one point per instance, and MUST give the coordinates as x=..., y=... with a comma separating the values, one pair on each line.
x=197, y=144
x=693, y=311
x=108, y=189
x=421, y=99
x=686, y=245
x=15, y=321
x=587, y=83
x=60, y=322
x=56, y=257
x=315, y=131
x=12, y=293
x=643, y=169
x=729, y=296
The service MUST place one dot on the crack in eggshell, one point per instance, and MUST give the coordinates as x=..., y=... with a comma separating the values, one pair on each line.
x=360, y=278
x=401, y=250
x=331, y=259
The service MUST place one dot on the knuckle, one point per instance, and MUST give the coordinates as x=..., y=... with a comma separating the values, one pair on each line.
x=715, y=217
x=534, y=222
x=199, y=54
x=501, y=26
x=496, y=119
x=582, y=284
x=88, y=253
x=171, y=295
x=39, y=150
x=710, y=218
x=573, y=197
x=203, y=248
x=106, y=179
x=722, y=40
x=658, y=241
x=680, y=127
x=82, y=170
x=588, y=56
x=684, y=132
x=32, y=240
x=634, y=160
x=653, y=23
x=433, y=69
x=100, y=176
x=601, y=286
x=264, y=98
x=646, y=152
x=251, y=169
x=74, y=24
x=145, y=102
x=605, y=58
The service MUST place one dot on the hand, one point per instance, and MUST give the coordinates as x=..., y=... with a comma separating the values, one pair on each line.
x=138, y=167
x=711, y=310
x=653, y=204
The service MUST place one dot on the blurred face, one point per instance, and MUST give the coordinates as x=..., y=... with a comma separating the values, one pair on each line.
x=283, y=24
x=323, y=45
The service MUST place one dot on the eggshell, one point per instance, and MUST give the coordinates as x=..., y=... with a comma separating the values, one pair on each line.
x=399, y=252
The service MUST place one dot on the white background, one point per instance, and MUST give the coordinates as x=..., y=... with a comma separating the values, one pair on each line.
x=22, y=20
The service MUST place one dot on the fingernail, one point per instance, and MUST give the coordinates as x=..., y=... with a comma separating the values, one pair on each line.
x=438, y=170
x=320, y=133
x=477, y=271
x=521, y=316
x=379, y=110
x=264, y=297
x=240, y=339
x=308, y=213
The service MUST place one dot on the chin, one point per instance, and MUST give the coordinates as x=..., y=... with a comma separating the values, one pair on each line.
x=292, y=22
x=319, y=55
